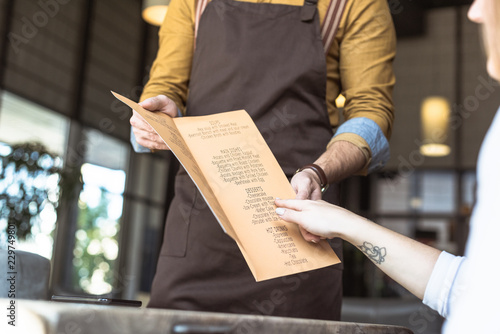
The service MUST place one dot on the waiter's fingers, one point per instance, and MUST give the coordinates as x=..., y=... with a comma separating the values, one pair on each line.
x=138, y=122
x=306, y=186
x=160, y=103
x=149, y=140
x=154, y=103
x=151, y=144
x=146, y=136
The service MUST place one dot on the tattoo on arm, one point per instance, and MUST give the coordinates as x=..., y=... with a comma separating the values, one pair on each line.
x=375, y=253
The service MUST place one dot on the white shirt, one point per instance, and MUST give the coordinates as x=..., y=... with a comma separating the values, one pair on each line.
x=470, y=289
x=446, y=283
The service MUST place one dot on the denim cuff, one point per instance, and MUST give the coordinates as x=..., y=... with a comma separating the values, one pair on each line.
x=373, y=135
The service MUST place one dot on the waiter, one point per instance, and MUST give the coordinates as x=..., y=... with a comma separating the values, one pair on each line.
x=284, y=62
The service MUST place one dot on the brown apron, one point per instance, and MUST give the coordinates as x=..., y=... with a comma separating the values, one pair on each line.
x=267, y=59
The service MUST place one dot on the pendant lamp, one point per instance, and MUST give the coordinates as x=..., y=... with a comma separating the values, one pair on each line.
x=340, y=101
x=153, y=11
x=435, y=117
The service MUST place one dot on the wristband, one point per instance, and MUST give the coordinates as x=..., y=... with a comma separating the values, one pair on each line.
x=320, y=172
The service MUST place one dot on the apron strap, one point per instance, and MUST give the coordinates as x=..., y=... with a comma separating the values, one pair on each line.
x=331, y=22
x=328, y=28
x=308, y=10
x=200, y=7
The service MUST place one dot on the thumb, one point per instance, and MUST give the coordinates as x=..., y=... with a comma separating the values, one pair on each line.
x=160, y=103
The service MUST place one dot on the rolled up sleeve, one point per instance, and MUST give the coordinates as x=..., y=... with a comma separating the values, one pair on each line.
x=171, y=69
x=364, y=132
x=366, y=53
x=446, y=283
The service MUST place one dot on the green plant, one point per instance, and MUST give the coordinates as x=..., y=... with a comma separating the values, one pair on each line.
x=31, y=178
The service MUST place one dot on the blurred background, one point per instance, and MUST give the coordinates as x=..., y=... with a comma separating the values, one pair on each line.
x=80, y=197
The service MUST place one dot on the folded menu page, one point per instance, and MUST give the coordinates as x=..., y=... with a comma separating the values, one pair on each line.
x=229, y=161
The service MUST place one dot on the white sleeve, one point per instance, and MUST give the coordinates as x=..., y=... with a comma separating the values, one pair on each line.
x=445, y=283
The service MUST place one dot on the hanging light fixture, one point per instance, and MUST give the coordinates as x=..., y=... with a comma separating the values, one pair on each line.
x=154, y=11
x=435, y=116
x=340, y=101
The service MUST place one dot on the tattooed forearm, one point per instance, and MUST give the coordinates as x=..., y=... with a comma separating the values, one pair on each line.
x=375, y=253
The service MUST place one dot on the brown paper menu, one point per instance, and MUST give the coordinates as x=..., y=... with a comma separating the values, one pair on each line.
x=227, y=158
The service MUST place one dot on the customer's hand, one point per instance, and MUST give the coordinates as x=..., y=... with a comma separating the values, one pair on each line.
x=145, y=135
x=318, y=218
x=307, y=186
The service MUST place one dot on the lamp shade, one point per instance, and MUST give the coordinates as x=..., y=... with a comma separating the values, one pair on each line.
x=154, y=11
x=340, y=101
x=435, y=117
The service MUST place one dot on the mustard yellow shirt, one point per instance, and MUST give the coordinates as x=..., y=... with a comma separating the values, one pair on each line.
x=359, y=62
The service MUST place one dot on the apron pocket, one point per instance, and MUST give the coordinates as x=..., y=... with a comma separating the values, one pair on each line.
x=179, y=218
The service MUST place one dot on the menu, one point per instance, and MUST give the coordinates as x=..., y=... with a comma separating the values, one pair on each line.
x=238, y=176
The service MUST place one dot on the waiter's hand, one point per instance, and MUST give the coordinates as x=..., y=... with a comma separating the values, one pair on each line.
x=307, y=186
x=144, y=133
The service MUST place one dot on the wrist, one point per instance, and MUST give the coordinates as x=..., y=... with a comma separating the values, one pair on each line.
x=356, y=230
x=320, y=174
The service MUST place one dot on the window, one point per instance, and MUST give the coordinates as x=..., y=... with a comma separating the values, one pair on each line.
x=436, y=191
x=32, y=146
x=24, y=121
x=100, y=206
x=33, y=143
x=97, y=244
x=422, y=192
